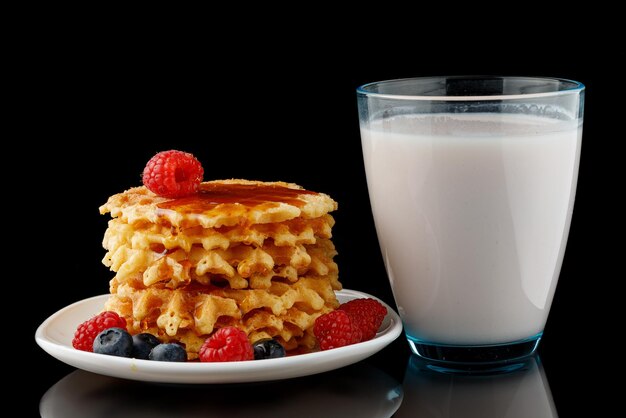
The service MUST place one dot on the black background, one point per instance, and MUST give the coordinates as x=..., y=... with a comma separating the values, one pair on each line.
x=268, y=109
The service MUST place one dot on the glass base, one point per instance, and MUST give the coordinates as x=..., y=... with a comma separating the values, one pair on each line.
x=474, y=359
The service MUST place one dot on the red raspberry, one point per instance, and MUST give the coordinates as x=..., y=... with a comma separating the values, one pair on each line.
x=227, y=344
x=173, y=174
x=367, y=315
x=88, y=330
x=335, y=329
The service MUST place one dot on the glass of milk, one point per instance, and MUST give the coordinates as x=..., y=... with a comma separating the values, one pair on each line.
x=472, y=183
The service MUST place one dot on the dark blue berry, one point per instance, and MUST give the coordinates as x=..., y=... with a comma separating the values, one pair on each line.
x=114, y=342
x=168, y=352
x=268, y=348
x=143, y=344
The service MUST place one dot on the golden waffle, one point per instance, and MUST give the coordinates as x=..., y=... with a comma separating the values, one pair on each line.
x=159, y=237
x=242, y=266
x=224, y=203
x=190, y=314
x=253, y=255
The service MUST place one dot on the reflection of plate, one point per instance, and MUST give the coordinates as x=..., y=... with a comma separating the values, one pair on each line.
x=55, y=334
x=359, y=390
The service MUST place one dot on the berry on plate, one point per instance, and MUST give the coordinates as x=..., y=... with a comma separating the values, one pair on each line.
x=268, y=348
x=227, y=344
x=335, y=329
x=366, y=314
x=143, y=344
x=173, y=174
x=354, y=321
x=114, y=342
x=168, y=352
x=87, y=331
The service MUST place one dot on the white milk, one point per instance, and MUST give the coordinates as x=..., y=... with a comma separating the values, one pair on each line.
x=472, y=213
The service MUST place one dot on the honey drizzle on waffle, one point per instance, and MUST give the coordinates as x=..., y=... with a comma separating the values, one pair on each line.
x=211, y=195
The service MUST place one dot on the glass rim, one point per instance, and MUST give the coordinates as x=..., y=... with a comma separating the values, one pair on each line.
x=576, y=87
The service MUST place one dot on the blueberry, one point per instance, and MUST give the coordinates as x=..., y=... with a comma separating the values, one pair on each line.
x=114, y=342
x=168, y=352
x=143, y=344
x=268, y=348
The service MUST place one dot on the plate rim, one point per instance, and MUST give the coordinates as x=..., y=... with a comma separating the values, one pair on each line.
x=228, y=372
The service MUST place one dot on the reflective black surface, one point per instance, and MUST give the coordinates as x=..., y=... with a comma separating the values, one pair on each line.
x=390, y=383
x=360, y=390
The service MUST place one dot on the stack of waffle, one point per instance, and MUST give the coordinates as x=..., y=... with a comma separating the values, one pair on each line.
x=253, y=255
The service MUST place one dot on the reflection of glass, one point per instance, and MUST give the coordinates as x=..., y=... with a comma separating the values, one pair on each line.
x=358, y=390
x=522, y=394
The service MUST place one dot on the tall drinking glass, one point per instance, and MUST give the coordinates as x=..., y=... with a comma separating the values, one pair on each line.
x=472, y=183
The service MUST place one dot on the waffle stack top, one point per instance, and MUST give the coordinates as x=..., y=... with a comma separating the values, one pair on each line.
x=254, y=255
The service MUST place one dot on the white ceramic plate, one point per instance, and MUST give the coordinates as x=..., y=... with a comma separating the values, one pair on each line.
x=55, y=335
